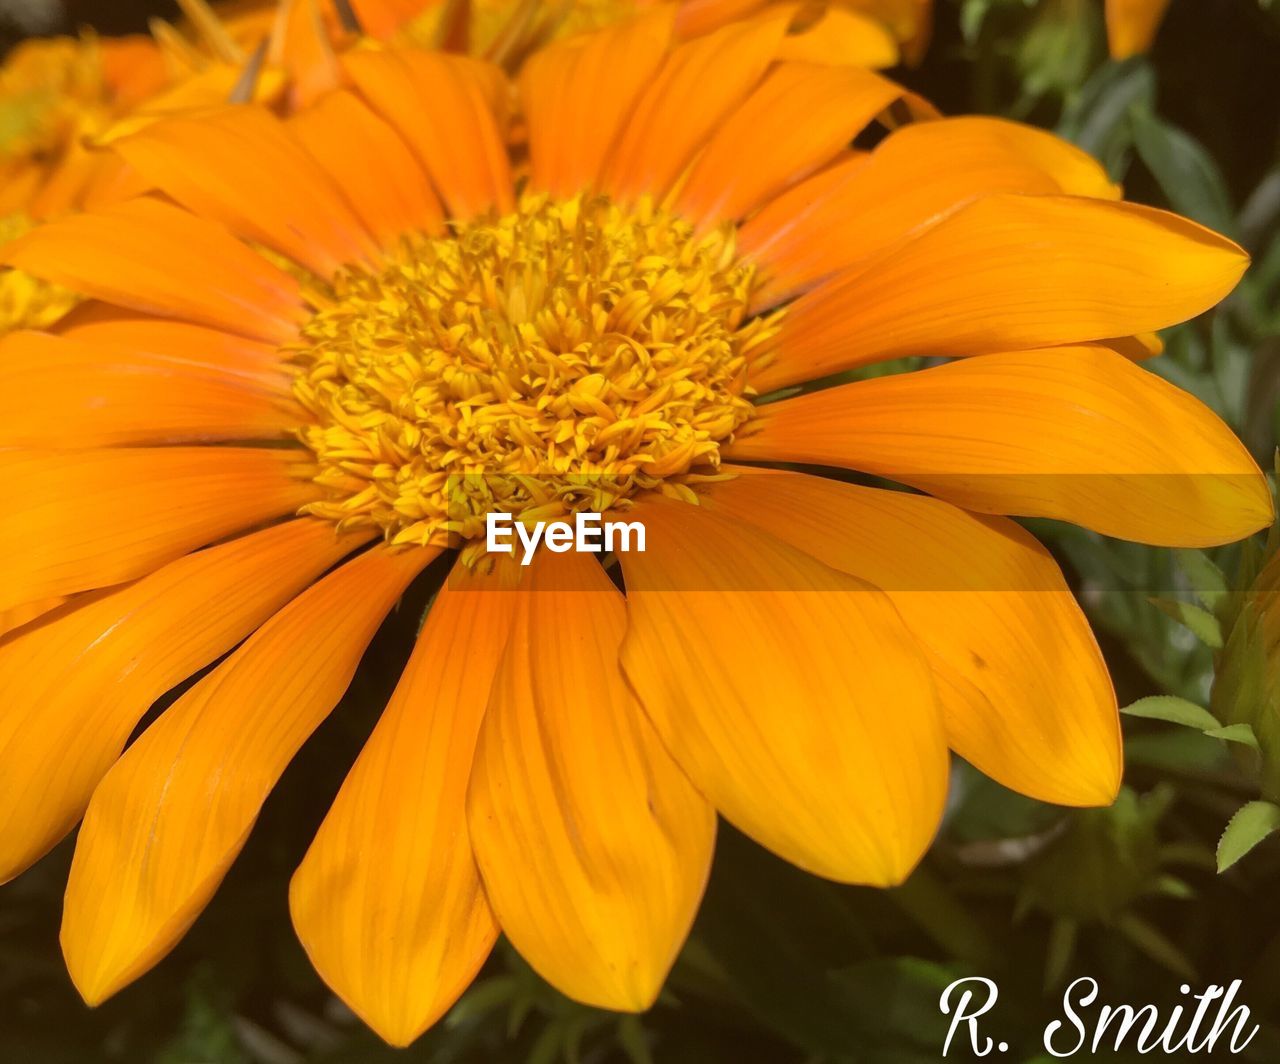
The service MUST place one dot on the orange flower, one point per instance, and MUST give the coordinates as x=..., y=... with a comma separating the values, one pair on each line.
x=61, y=95
x=54, y=94
x=438, y=340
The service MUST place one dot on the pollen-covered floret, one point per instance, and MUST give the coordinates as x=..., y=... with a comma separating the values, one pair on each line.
x=558, y=359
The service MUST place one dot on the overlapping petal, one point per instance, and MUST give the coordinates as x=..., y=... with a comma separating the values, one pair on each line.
x=377, y=174
x=388, y=902
x=456, y=138
x=253, y=178
x=578, y=93
x=593, y=845
x=1077, y=433
x=1024, y=690
x=74, y=686
x=1007, y=272
x=793, y=694
x=912, y=180
x=94, y=518
x=155, y=258
x=798, y=119
x=60, y=392
x=172, y=814
x=699, y=83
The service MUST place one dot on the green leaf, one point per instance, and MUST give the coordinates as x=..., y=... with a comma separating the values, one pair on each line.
x=1187, y=174
x=1236, y=733
x=1175, y=711
x=1253, y=823
x=632, y=1040
x=1206, y=579
x=1203, y=624
x=548, y=1046
x=1170, y=886
x=1097, y=117
x=482, y=997
x=1062, y=947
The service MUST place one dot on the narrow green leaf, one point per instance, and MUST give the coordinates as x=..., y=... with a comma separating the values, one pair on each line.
x=1236, y=733
x=1203, y=624
x=1096, y=118
x=1147, y=940
x=549, y=1045
x=1253, y=823
x=1207, y=580
x=1175, y=711
x=1062, y=947
x=1187, y=174
x=632, y=1040
x=481, y=998
x=1170, y=886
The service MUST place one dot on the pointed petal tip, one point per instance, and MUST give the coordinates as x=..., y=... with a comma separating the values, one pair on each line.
x=90, y=975
x=633, y=992
x=397, y=1028
x=1252, y=510
x=897, y=859
x=1092, y=785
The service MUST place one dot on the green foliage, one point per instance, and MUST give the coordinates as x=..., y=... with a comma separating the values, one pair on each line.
x=1253, y=823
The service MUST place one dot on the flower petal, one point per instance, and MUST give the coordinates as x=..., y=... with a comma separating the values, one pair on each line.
x=1007, y=272
x=17, y=616
x=388, y=901
x=800, y=117
x=169, y=818
x=158, y=259
x=578, y=92
x=593, y=845
x=378, y=175
x=697, y=17
x=1024, y=690
x=915, y=177
x=381, y=18
x=102, y=325
x=436, y=103
x=792, y=694
x=57, y=392
x=74, y=686
x=89, y=519
x=302, y=47
x=700, y=82
x=239, y=166
x=844, y=38
x=1077, y=433
x=1132, y=25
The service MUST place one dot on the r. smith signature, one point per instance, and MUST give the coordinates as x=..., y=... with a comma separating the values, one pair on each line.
x=1196, y=1027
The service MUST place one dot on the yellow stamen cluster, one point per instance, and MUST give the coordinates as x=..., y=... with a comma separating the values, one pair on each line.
x=28, y=302
x=561, y=358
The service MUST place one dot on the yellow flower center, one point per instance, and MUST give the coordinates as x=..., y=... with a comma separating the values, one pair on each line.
x=27, y=302
x=562, y=358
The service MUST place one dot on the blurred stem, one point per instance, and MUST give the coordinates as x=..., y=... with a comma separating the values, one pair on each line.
x=942, y=917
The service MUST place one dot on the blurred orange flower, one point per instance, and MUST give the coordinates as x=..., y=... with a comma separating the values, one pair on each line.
x=1132, y=25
